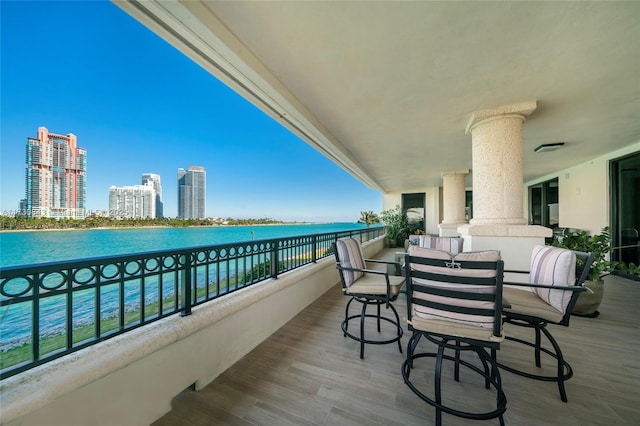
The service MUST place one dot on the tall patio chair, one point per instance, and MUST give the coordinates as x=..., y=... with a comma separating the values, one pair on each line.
x=555, y=281
x=455, y=302
x=368, y=287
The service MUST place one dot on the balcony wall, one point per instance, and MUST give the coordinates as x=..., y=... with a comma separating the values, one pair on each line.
x=131, y=379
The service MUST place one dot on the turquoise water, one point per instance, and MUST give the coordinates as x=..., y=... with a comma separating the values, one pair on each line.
x=25, y=248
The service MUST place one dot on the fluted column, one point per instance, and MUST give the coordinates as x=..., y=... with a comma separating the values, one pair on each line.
x=453, y=202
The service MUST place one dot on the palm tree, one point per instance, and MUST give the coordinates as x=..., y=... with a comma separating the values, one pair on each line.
x=368, y=218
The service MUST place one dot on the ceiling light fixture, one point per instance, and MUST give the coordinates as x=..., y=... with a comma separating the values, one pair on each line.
x=549, y=147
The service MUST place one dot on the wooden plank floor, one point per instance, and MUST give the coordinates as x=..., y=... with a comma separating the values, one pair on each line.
x=307, y=373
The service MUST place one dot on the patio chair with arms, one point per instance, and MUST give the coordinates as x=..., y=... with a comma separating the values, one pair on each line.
x=556, y=278
x=368, y=287
x=455, y=302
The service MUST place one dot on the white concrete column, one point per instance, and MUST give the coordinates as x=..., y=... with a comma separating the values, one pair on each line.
x=498, y=221
x=453, y=202
x=497, y=164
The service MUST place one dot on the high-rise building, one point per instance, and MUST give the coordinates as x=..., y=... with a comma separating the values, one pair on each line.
x=191, y=192
x=132, y=202
x=55, y=176
x=155, y=180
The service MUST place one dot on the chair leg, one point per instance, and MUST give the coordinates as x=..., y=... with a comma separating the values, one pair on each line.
x=378, y=317
x=494, y=365
x=346, y=317
x=399, y=327
x=456, y=368
x=438, y=385
x=411, y=347
x=537, y=347
x=488, y=375
x=561, y=364
x=495, y=376
x=362, y=317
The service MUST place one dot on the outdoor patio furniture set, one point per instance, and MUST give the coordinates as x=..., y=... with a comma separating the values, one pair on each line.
x=459, y=302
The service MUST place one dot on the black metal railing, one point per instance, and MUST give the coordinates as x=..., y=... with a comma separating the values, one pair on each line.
x=51, y=309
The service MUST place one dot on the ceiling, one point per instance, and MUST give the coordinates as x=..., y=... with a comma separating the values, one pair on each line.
x=386, y=89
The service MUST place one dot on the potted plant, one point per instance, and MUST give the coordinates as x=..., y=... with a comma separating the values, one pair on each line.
x=395, y=225
x=600, y=245
x=630, y=271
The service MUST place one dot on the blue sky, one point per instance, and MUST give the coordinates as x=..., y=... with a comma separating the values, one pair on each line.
x=139, y=106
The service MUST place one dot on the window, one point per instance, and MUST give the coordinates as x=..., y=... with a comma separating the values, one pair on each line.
x=543, y=204
x=413, y=207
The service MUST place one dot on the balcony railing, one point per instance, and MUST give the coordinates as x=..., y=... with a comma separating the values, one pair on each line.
x=52, y=309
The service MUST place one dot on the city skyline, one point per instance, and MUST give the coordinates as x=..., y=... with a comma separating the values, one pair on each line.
x=138, y=105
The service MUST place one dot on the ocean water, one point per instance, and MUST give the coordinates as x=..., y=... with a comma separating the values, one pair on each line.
x=28, y=248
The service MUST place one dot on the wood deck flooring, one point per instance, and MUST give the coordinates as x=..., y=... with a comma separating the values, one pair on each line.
x=307, y=373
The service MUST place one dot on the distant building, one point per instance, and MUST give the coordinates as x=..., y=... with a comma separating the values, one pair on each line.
x=155, y=179
x=132, y=202
x=192, y=193
x=55, y=176
x=22, y=211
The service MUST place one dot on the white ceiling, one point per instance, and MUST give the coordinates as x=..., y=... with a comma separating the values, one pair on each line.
x=385, y=89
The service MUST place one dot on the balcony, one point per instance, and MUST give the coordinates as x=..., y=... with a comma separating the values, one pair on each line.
x=304, y=371
x=273, y=353
x=308, y=373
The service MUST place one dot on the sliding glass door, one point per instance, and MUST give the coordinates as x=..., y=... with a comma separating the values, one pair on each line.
x=625, y=208
x=413, y=207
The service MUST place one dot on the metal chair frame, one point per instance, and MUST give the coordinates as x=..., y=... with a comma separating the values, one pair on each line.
x=564, y=371
x=370, y=299
x=457, y=344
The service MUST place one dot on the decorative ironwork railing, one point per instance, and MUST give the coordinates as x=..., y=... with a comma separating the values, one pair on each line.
x=51, y=309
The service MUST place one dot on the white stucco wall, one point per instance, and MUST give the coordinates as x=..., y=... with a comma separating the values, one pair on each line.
x=132, y=378
x=584, y=192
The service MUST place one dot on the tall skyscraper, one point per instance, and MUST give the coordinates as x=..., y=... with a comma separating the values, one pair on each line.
x=155, y=180
x=192, y=192
x=55, y=176
x=132, y=202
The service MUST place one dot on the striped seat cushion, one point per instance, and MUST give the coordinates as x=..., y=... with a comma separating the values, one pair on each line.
x=425, y=312
x=449, y=244
x=553, y=266
x=350, y=256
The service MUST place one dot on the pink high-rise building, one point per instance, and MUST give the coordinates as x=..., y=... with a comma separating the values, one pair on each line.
x=55, y=176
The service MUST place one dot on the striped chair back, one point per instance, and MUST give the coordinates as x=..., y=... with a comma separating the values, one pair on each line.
x=455, y=294
x=450, y=244
x=553, y=266
x=348, y=254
